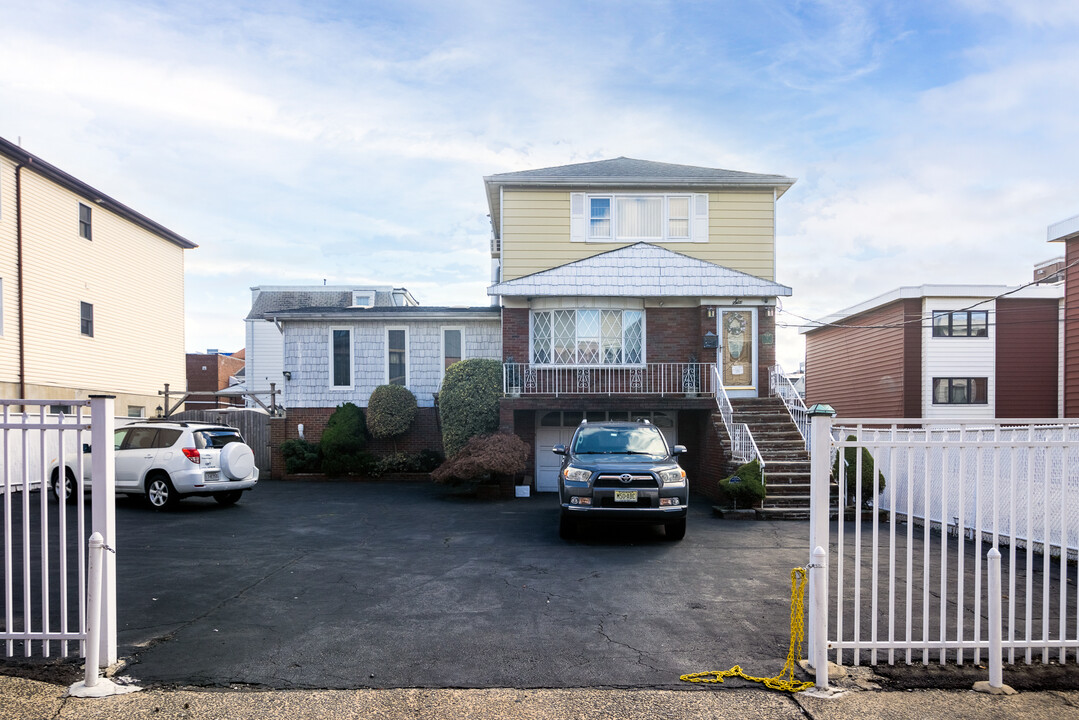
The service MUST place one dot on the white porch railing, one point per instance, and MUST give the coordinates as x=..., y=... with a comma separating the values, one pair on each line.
x=907, y=569
x=743, y=447
x=44, y=541
x=780, y=386
x=679, y=379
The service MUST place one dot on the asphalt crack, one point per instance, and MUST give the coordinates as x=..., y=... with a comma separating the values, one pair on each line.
x=641, y=655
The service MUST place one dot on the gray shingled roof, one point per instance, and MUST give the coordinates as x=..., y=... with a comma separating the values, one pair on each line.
x=640, y=270
x=402, y=312
x=628, y=173
x=273, y=300
x=643, y=171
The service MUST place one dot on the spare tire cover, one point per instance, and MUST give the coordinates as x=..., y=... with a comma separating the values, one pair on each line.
x=237, y=460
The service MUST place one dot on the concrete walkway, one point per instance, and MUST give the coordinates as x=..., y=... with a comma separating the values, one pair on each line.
x=22, y=699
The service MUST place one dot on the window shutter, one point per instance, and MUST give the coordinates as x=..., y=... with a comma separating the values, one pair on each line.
x=700, y=217
x=578, y=222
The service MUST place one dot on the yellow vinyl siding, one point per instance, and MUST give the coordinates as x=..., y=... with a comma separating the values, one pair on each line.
x=536, y=233
x=133, y=278
x=9, y=330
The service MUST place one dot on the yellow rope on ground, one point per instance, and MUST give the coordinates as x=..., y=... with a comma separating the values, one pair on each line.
x=785, y=679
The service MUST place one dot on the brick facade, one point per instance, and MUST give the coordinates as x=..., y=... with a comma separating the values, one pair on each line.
x=210, y=373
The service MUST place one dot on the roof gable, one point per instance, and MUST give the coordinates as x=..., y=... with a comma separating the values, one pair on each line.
x=640, y=270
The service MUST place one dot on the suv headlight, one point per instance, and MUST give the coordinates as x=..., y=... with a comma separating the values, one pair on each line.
x=573, y=474
x=672, y=477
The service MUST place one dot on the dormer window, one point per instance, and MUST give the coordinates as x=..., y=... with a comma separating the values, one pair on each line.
x=639, y=217
x=363, y=298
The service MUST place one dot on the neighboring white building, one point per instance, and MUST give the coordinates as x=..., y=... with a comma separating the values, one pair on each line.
x=263, y=339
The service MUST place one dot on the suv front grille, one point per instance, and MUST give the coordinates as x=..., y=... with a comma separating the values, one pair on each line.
x=635, y=481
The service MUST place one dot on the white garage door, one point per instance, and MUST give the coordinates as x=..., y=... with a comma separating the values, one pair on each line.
x=556, y=428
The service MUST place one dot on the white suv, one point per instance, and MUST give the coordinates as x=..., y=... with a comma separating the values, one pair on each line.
x=168, y=460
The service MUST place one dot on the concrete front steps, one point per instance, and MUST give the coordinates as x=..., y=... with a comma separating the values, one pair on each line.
x=786, y=460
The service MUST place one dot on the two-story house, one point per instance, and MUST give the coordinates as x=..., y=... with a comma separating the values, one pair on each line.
x=91, y=291
x=632, y=289
x=940, y=352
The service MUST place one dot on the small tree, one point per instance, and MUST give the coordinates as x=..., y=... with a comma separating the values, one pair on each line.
x=343, y=442
x=390, y=411
x=850, y=460
x=484, y=458
x=468, y=402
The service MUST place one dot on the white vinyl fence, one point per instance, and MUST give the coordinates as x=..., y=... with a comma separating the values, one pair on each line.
x=906, y=566
x=44, y=541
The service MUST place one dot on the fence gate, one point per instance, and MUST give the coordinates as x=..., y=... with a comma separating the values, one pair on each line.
x=254, y=425
x=45, y=541
x=906, y=566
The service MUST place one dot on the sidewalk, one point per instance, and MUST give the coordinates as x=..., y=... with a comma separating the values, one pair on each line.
x=22, y=699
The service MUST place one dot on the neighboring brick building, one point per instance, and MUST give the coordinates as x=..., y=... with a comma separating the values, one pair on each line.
x=210, y=372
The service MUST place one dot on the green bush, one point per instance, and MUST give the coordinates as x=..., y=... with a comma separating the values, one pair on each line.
x=343, y=442
x=869, y=494
x=747, y=489
x=300, y=456
x=468, y=402
x=390, y=411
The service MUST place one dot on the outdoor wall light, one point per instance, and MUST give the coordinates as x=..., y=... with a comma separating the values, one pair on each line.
x=287, y=374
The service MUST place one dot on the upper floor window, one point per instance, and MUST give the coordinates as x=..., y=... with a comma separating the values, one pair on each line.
x=965, y=323
x=397, y=357
x=960, y=391
x=86, y=319
x=588, y=337
x=363, y=299
x=84, y=221
x=639, y=217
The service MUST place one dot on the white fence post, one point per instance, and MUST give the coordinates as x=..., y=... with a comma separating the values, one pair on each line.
x=93, y=616
x=996, y=660
x=818, y=623
x=103, y=470
x=819, y=513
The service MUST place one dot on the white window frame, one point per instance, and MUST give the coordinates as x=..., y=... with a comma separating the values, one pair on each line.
x=89, y=236
x=82, y=304
x=370, y=295
x=386, y=355
x=615, y=233
x=576, y=339
x=442, y=346
x=351, y=358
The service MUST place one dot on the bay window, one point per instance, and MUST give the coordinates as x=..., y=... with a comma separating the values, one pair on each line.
x=588, y=337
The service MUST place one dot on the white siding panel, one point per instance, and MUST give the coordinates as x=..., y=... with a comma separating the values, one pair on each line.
x=957, y=357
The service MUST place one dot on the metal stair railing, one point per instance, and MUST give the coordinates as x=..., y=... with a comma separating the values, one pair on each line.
x=780, y=386
x=743, y=447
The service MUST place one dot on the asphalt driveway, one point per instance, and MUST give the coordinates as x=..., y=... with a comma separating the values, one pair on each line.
x=351, y=585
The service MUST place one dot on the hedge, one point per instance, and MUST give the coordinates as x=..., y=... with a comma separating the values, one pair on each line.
x=468, y=402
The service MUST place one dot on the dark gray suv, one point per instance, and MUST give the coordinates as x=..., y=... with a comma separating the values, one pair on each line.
x=622, y=471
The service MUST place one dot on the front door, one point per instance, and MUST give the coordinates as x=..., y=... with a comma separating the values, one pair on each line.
x=738, y=361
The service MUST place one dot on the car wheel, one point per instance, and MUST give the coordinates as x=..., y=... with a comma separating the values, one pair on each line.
x=69, y=485
x=675, y=530
x=160, y=493
x=228, y=498
x=567, y=526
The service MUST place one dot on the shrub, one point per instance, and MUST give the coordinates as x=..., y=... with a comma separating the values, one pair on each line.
x=869, y=494
x=485, y=458
x=390, y=411
x=399, y=462
x=468, y=401
x=745, y=488
x=300, y=456
x=343, y=442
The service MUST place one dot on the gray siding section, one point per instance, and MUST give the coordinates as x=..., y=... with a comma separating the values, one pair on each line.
x=307, y=357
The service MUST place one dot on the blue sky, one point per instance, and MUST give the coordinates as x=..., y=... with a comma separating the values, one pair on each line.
x=933, y=142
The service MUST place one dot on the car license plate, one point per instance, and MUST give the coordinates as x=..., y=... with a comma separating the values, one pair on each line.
x=213, y=476
x=625, y=496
